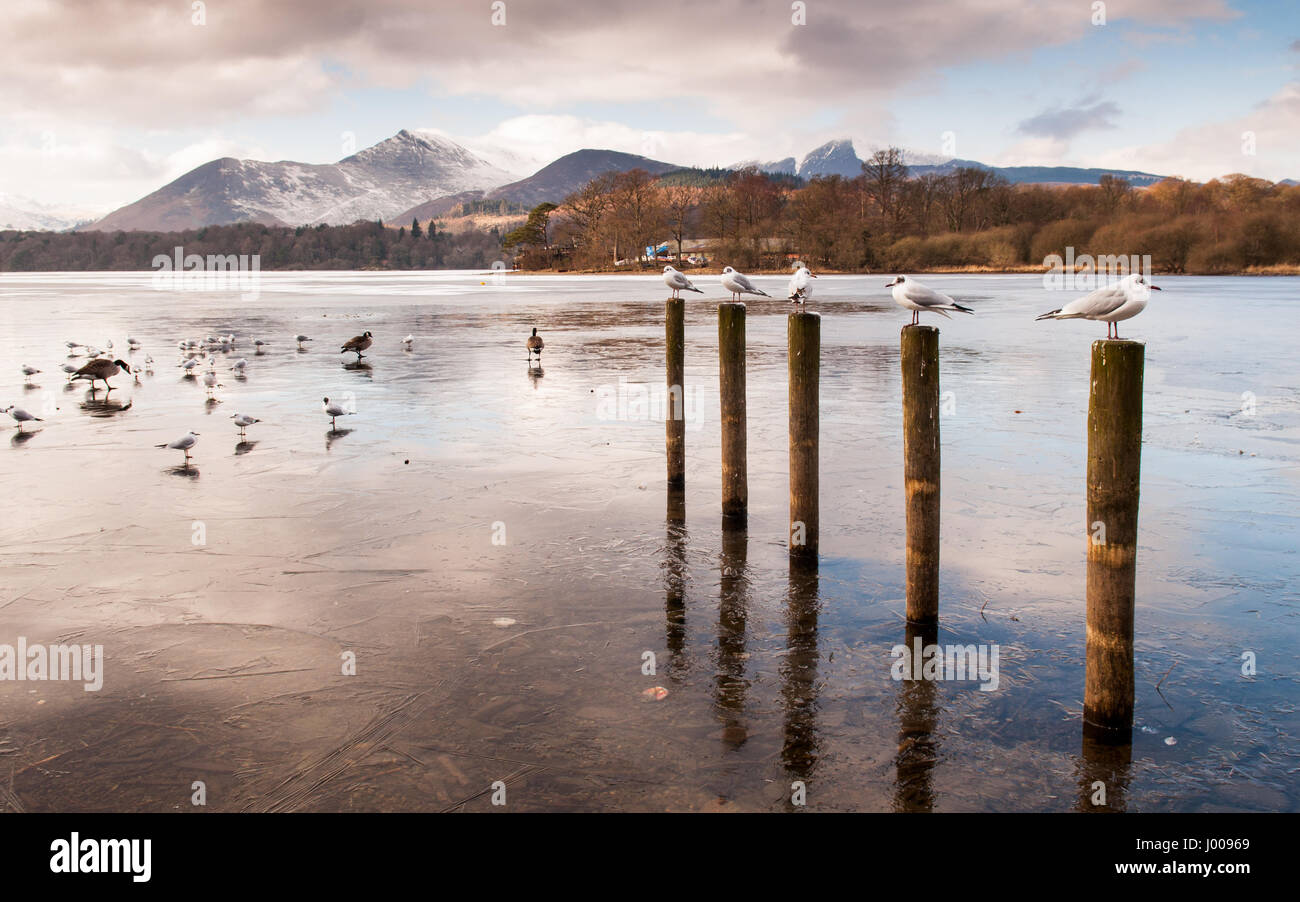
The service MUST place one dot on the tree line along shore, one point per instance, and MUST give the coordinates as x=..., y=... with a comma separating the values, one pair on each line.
x=883, y=220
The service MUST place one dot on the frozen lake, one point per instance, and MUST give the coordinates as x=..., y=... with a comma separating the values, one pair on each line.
x=491, y=546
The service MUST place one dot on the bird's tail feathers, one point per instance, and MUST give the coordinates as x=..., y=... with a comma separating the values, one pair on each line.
x=959, y=307
x=696, y=290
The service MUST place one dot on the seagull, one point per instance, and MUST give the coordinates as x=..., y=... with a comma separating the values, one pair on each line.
x=259, y=344
x=334, y=410
x=1110, y=304
x=535, y=345
x=300, y=339
x=238, y=365
x=916, y=297
x=210, y=380
x=243, y=421
x=678, y=282
x=70, y=370
x=408, y=340
x=801, y=284
x=189, y=366
x=738, y=283
x=110, y=344
x=132, y=343
x=184, y=443
x=148, y=363
x=92, y=350
x=358, y=344
x=101, y=370
x=29, y=372
x=21, y=416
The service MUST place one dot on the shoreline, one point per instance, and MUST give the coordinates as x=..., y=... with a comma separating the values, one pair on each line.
x=1277, y=270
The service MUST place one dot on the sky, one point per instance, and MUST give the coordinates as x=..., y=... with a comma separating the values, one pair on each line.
x=104, y=102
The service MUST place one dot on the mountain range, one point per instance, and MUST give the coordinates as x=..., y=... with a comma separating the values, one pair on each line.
x=425, y=175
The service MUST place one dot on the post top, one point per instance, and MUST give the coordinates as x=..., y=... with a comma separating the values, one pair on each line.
x=1117, y=342
x=794, y=313
x=738, y=304
x=921, y=327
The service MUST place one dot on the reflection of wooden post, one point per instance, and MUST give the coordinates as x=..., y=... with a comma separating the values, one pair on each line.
x=1114, y=472
x=918, y=714
x=920, y=358
x=731, y=390
x=675, y=421
x=804, y=349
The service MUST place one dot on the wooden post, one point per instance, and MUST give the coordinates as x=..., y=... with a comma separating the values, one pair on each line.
x=1114, y=473
x=920, y=360
x=675, y=420
x=731, y=393
x=804, y=349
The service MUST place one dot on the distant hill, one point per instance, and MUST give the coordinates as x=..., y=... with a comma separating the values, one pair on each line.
x=379, y=181
x=570, y=172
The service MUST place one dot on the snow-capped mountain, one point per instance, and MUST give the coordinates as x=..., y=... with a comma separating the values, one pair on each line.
x=788, y=166
x=832, y=158
x=24, y=213
x=378, y=182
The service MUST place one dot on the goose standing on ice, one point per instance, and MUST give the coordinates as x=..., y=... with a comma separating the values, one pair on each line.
x=101, y=369
x=334, y=410
x=801, y=284
x=184, y=443
x=1110, y=304
x=535, y=345
x=357, y=344
x=678, y=282
x=21, y=416
x=912, y=295
x=738, y=283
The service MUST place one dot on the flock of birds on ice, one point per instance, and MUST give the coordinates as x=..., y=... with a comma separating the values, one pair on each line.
x=1110, y=304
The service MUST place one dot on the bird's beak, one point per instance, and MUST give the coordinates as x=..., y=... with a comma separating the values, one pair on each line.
x=1156, y=288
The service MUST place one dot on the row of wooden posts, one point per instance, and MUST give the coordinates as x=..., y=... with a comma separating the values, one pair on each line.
x=1114, y=453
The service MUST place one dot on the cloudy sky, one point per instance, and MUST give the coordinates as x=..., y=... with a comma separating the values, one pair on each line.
x=106, y=101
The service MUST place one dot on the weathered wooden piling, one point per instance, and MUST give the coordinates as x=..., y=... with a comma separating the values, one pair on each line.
x=731, y=393
x=804, y=349
x=1114, y=474
x=675, y=419
x=920, y=362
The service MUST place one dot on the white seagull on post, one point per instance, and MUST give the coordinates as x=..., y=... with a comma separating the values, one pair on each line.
x=1110, y=304
x=801, y=284
x=678, y=282
x=738, y=283
x=912, y=295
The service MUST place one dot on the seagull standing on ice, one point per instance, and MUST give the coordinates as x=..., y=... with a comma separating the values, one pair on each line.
x=21, y=416
x=300, y=339
x=243, y=421
x=1110, y=304
x=29, y=372
x=678, y=282
x=210, y=380
x=738, y=283
x=184, y=443
x=801, y=284
x=333, y=410
x=912, y=295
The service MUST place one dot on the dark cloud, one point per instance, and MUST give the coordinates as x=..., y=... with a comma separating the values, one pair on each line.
x=1064, y=123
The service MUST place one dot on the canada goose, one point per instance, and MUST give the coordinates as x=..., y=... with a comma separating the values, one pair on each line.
x=21, y=416
x=678, y=282
x=101, y=370
x=243, y=421
x=912, y=295
x=801, y=284
x=535, y=345
x=358, y=344
x=1110, y=304
x=738, y=283
x=335, y=410
x=184, y=443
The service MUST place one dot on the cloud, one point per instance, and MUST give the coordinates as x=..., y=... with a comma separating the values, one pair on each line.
x=1261, y=143
x=1066, y=122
